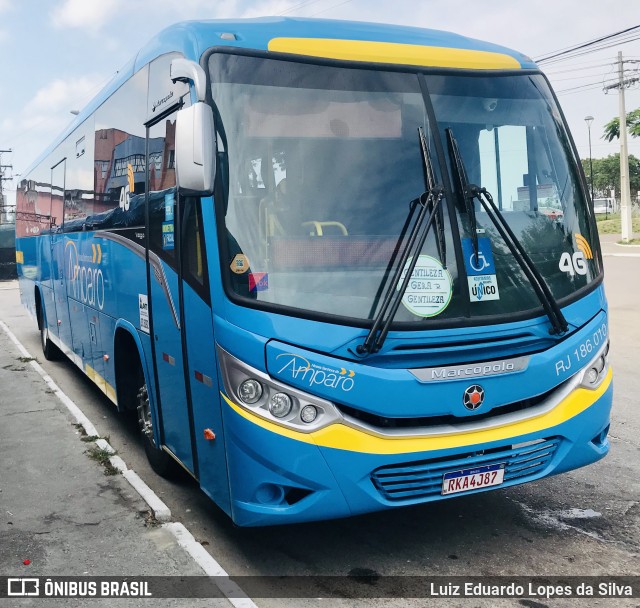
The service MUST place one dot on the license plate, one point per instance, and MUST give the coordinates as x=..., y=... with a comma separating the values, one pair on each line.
x=473, y=479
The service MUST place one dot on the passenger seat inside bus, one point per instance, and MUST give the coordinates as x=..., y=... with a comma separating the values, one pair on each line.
x=282, y=214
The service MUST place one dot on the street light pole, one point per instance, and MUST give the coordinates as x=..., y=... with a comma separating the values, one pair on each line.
x=589, y=121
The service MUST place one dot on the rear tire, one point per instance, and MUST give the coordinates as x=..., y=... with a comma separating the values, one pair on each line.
x=50, y=351
x=160, y=461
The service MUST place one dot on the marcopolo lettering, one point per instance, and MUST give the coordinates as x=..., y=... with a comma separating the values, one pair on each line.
x=474, y=370
x=477, y=370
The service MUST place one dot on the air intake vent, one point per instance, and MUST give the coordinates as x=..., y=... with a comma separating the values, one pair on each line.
x=423, y=479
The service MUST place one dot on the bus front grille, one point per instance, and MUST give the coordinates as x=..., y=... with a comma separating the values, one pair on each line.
x=423, y=479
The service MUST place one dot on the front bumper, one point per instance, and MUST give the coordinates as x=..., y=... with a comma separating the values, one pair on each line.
x=280, y=476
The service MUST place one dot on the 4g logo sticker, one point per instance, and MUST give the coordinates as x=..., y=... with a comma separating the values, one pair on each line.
x=127, y=189
x=573, y=264
x=576, y=263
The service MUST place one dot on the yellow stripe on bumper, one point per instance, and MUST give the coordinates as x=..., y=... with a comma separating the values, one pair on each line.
x=395, y=53
x=342, y=437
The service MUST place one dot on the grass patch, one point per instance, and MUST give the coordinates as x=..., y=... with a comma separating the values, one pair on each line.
x=630, y=242
x=613, y=225
x=26, y=359
x=102, y=457
x=150, y=520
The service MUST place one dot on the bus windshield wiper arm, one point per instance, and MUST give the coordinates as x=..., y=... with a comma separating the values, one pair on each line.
x=429, y=203
x=430, y=182
x=470, y=192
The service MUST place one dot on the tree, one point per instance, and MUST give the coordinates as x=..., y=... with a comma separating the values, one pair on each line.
x=612, y=128
x=606, y=174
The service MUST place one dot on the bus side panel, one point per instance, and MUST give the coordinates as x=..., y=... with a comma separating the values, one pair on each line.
x=33, y=254
x=119, y=275
x=105, y=328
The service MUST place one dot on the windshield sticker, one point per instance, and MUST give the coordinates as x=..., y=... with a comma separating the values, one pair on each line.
x=167, y=235
x=481, y=265
x=483, y=287
x=258, y=281
x=299, y=368
x=481, y=270
x=573, y=264
x=583, y=245
x=169, y=200
x=239, y=264
x=430, y=287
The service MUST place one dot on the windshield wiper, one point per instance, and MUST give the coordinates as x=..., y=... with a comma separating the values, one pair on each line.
x=430, y=182
x=430, y=204
x=470, y=192
x=463, y=186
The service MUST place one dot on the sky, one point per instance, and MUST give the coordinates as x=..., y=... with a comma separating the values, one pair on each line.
x=57, y=54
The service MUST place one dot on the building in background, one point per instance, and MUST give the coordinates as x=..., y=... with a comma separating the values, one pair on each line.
x=7, y=231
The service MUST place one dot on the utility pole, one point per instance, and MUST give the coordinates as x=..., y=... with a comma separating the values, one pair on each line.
x=4, y=209
x=625, y=191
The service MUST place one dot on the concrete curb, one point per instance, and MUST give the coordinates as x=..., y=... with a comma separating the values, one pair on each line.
x=160, y=510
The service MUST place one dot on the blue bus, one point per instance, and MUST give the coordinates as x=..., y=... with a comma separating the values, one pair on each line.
x=317, y=258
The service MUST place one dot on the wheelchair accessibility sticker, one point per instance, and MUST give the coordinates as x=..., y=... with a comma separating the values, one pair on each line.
x=481, y=270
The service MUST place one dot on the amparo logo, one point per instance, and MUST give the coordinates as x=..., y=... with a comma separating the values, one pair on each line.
x=312, y=374
x=85, y=279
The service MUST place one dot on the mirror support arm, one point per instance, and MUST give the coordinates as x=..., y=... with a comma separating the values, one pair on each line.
x=185, y=70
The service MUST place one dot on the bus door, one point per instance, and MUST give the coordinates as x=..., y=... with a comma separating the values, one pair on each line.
x=60, y=325
x=180, y=300
x=181, y=320
x=199, y=348
x=174, y=415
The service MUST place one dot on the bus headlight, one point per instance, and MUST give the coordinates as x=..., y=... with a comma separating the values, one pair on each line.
x=250, y=391
x=308, y=414
x=258, y=393
x=592, y=375
x=280, y=405
x=596, y=371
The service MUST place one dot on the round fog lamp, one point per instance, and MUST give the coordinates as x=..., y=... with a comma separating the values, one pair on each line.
x=592, y=375
x=308, y=413
x=280, y=405
x=250, y=391
x=600, y=364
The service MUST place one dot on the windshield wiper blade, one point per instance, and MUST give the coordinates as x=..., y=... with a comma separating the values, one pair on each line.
x=463, y=187
x=430, y=182
x=430, y=203
x=471, y=191
x=558, y=321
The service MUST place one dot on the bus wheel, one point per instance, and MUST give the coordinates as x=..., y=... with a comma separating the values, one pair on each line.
x=49, y=349
x=159, y=460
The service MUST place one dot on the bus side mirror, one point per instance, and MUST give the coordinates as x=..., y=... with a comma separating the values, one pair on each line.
x=195, y=149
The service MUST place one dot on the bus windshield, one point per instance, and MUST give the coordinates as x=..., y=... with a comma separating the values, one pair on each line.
x=321, y=166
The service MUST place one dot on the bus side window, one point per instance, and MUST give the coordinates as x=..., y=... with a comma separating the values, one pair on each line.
x=193, y=244
x=118, y=147
x=162, y=188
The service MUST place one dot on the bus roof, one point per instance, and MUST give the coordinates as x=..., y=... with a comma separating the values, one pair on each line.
x=194, y=37
x=330, y=39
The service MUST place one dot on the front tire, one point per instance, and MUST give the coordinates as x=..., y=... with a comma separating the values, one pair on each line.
x=160, y=461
